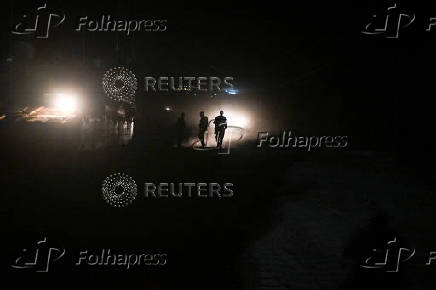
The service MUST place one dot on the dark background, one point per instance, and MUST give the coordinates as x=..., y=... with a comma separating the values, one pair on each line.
x=300, y=66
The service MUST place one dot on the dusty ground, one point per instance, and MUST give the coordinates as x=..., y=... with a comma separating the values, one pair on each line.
x=325, y=224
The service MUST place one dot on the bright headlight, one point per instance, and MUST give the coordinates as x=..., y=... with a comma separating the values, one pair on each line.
x=66, y=103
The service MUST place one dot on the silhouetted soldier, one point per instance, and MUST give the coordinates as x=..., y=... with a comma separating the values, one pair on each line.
x=204, y=123
x=220, y=128
x=180, y=127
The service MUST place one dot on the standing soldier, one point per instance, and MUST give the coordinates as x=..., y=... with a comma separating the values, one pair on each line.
x=204, y=123
x=220, y=129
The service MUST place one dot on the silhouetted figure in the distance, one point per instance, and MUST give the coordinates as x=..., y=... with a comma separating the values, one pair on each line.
x=220, y=129
x=180, y=128
x=202, y=126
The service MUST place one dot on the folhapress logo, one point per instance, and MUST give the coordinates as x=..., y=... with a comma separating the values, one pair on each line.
x=39, y=258
x=391, y=24
x=389, y=258
x=394, y=20
x=40, y=23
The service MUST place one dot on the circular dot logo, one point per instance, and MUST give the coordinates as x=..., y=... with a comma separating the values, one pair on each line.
x=120, y=85
x=119, y=189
